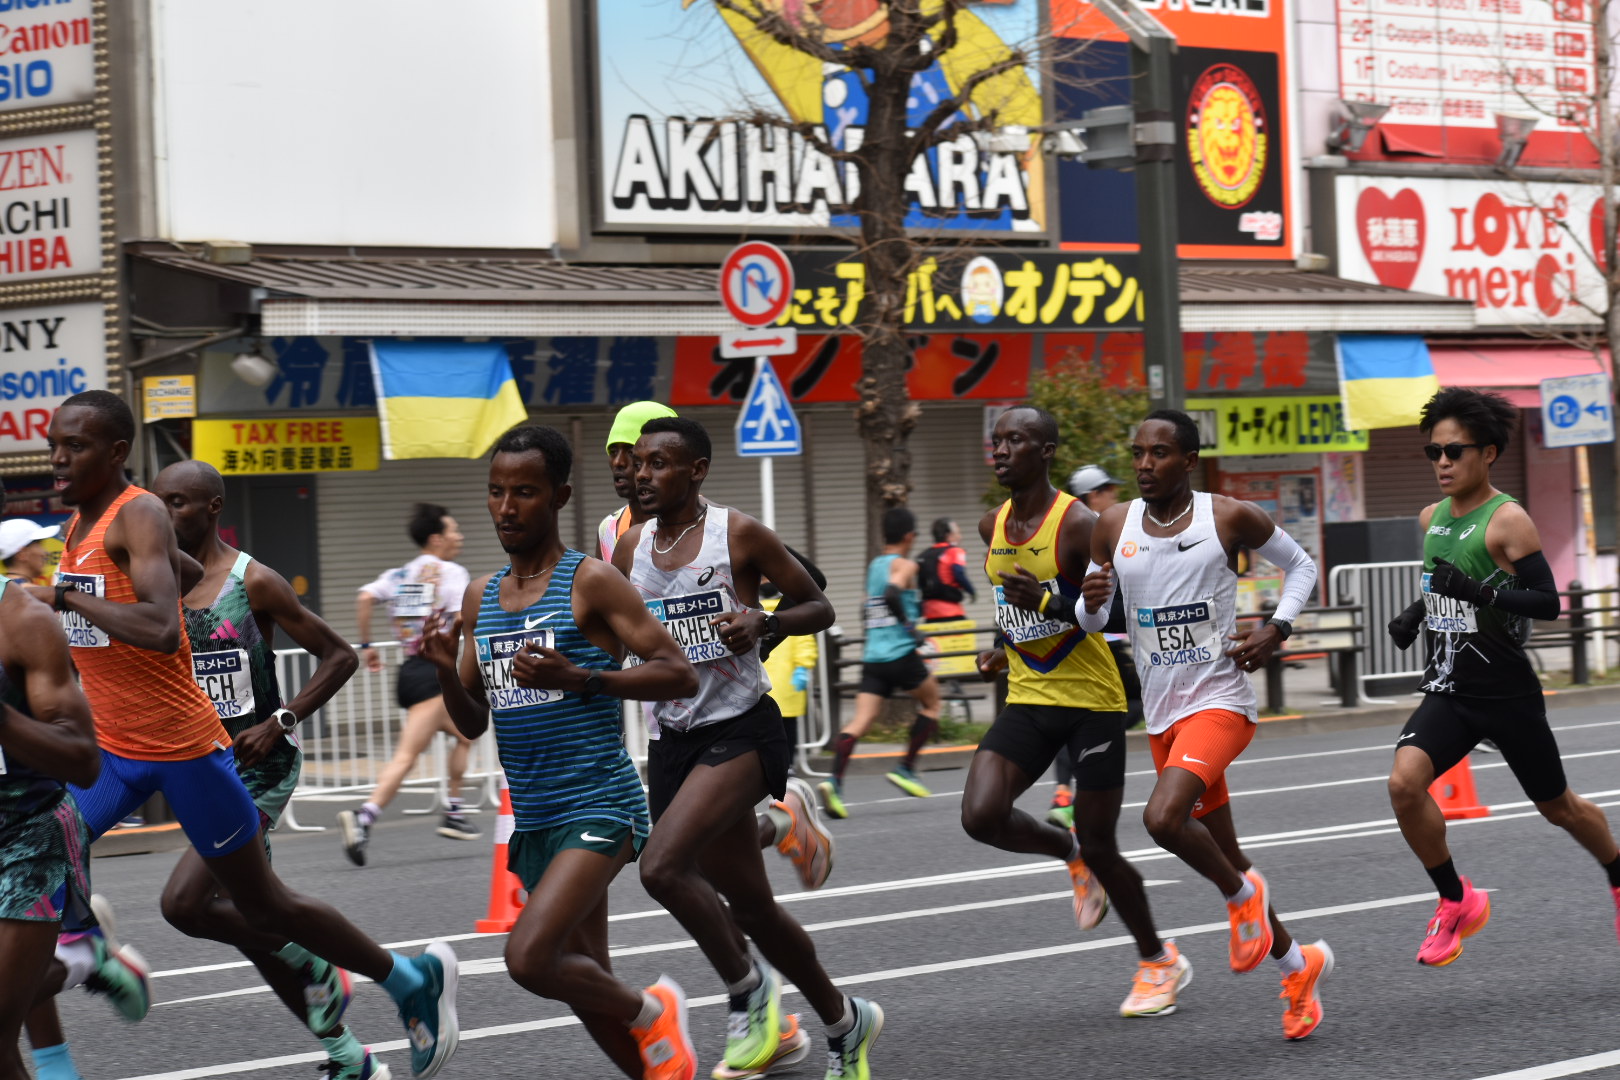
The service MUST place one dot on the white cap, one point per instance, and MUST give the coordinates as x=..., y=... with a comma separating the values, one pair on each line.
x=1088, y=478
x=18, y=533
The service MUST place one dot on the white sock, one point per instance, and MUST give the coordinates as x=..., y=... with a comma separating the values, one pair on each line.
x=651, y=1009
x=746, y=983
x=780, y=820
x=79, y=957
x=1243, y=893
x=1074, y=848
x=1162, y=957
x=1291, y=961
x=846, y=1023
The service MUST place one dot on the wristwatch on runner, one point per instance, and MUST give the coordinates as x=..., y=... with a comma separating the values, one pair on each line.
x=592, y=687
x=287, y=719
x=1284, y=627
x=773, y=625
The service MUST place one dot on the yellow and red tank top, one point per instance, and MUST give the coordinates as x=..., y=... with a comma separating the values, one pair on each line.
x=147, y=705
x=1049, y=662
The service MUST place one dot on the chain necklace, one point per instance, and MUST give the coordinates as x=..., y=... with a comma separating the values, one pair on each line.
x=665, y=551
x=538, y=573
x=1172, y=521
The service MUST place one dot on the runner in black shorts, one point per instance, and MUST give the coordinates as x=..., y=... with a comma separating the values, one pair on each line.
x=1485, y=578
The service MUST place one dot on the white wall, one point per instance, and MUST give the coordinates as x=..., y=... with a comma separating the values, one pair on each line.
x=367, y=122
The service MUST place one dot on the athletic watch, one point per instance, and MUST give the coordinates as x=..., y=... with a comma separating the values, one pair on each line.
x=287, y=719
x=1284, y=627
x=592, y=687
x=773, y=625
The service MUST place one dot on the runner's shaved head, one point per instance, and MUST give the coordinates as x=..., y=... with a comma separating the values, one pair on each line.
x=197, y=478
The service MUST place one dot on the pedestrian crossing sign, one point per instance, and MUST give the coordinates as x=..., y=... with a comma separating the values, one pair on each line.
x=767, y=425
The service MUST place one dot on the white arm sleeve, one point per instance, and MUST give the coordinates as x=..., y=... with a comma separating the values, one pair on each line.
x=1299, y=574
x=1093, y=621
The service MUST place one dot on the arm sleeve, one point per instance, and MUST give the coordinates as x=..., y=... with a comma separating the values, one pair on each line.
x=1093, y=621
x=1537, y=594
x=1116, y=616
x=963, y=581
x=891, y=597
x=1299, y=574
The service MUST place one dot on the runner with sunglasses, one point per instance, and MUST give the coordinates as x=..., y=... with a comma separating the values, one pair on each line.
x=1484, y=579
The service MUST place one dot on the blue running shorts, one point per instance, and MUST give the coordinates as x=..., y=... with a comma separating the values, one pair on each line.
x=206, y=794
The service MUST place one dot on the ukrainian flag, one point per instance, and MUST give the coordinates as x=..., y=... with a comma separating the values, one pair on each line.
x=1384, y=379
x=443, y=399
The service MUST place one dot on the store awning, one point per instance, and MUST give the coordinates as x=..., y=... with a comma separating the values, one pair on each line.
x=1514, y=371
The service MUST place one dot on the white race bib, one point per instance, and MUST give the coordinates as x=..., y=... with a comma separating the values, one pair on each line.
x=877, y=614
x=688, y=620
x=227, y=679
x=1179, y=635
x=1447, y=615
x=81, y=632
x=1019, y=625
x=414, y=600
x=495, y=653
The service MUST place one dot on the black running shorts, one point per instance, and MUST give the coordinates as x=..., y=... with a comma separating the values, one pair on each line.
x=1030, y=736
x=1446, y=727
x=674, y=754
x=418, y=682
x=906, y=673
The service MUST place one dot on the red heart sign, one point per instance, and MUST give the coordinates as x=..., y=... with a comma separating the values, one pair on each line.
x=1391, y=231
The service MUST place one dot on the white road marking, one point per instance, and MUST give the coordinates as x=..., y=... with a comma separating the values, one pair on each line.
x=1570, y=1067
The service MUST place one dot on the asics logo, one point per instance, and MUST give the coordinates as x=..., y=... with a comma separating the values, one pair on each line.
x=1088, y=751
x=80, y=560
x=1468, y=530
x=1195, y=761
x=530, y=624
x=706, y=576
x=221, y=843
x=589, y=839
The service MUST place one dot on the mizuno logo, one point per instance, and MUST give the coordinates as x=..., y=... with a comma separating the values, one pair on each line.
x=530, y=624
x=704, y=578
x=80, y=560
x=1033, y=550
x=1088, y=751
x=589, y=839
x=1195, y=761
x=221, y=843
x=1186, y=547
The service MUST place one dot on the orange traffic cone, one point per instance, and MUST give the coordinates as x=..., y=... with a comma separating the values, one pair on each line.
x=506, y=893
x=1454, y=791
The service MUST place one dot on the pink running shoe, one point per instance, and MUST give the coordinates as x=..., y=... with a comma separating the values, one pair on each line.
x=1615, y=889
x=1453, y=921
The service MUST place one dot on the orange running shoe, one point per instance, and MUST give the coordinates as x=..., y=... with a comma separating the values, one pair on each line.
x=808, y=843
x=1304, y=1012
x=1453, y=921
x=666, y=1046
x=1062, y=796
x=1090, y=902
x=1251, y=926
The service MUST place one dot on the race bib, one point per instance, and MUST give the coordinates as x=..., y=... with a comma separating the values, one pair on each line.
x=877, y=614
x=495, y=653
x=1019, y=625
x=1447, y=615
x=1177, y=636
x=687, y=618
x=414, y=600
x=81, y=633
x=227, y=680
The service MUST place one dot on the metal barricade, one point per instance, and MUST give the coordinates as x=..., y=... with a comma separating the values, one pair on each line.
x=1382, y=591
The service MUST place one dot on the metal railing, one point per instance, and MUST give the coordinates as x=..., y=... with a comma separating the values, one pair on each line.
x=1382, y=591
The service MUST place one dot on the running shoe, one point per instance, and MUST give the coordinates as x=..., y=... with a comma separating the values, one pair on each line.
x=666, y=1046
x=355, y=836
x=807, y=843
x=906, y=780
x=1061, y=816
x=369, y=1068
x=794, y=1048
x=131, y=821
x=429, y=1014
x=754, y=1027
x=1062, y=796
x=832, y=798
x=1158, y=982
x=1090, y=902
x=1251, y=926
x=1615, y=891
x=120, y=973
x=457, y=827
x=1304, y=1012
x=1454, y=920
x=328, y=989
x=846, y=1054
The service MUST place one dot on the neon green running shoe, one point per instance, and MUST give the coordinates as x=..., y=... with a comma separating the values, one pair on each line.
x=753, y=1030
x=846, y=1054
x=906, y=780
x=832, y=798
x=1061, y=816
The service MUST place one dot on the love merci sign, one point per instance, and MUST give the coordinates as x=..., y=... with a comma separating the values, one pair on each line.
x=1517, y=250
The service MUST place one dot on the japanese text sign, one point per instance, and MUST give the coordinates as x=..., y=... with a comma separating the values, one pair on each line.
x=1279, y=425
x=247, y=447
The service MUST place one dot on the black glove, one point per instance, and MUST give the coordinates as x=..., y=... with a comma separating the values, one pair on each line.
x=1405, y=627
x=1447, y=580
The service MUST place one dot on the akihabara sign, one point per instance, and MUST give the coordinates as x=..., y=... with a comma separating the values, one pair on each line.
x=47, y=53
x=50, y=221
x=1517, y=250
x=47, y=354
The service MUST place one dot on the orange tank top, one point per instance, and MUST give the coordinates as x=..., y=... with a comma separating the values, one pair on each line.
x=146, y=704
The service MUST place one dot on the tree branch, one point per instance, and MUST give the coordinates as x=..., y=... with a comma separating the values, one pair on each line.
x=810, y=133
x=927, y=132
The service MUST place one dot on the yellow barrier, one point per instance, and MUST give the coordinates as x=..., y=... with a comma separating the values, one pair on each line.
x=952, y=635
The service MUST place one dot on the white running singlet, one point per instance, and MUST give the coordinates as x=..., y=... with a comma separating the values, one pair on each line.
x=1181, y=606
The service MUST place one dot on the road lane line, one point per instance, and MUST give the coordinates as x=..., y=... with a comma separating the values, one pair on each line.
x=1570, y=1067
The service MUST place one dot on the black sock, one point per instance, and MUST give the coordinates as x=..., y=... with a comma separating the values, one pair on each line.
x=1446, y=880
x=842, y=748
x=1613, y=870
x=922, y=729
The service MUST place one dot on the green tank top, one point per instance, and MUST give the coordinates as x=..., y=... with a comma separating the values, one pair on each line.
x=23, y=791
x=1473, y=651
x=231, y=660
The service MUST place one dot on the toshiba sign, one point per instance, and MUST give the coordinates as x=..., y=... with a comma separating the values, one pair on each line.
x=1519, y=251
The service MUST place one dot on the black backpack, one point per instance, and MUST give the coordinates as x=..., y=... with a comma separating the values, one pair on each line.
x=933, y=587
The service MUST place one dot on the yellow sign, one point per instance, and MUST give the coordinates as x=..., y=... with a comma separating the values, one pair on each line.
x=948, y=636
x=1279, y=425
x=244, y=447
x=169, y=397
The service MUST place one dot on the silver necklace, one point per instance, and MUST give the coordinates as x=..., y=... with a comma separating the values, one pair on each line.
x=1172, y=521
x=682, y=536
x=537, y=573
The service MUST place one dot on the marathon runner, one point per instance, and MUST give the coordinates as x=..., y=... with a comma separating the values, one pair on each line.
x=1062, y=692
x=232, y=615
x=942, y=574
x=891, y=660
x=427, y=585
x=119, y=595
x=716, y=753
x=621, y=443
x=1174, y=554
x=544, y=639
x=1484, y=579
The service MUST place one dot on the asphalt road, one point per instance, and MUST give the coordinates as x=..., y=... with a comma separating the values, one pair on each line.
x=973, y=952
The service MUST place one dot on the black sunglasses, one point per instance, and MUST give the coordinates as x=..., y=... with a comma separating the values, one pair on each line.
x=1452, y=450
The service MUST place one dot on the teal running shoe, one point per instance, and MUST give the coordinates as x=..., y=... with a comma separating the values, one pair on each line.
x=846, y=1054
x=429, y=1014
x=753, y=1030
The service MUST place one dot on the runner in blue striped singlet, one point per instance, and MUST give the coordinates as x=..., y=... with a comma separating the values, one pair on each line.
x=542, y=646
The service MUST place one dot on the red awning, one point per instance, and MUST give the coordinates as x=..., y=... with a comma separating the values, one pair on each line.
x=1515, y=371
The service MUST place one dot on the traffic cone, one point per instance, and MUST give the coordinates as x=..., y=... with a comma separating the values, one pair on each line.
x=1454, y=791
x=506, y=893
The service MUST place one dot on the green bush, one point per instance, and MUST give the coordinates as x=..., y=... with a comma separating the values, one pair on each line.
x=1095, y=419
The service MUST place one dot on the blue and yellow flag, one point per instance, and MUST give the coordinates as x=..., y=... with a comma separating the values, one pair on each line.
x=1384, y=379
x=443, y=399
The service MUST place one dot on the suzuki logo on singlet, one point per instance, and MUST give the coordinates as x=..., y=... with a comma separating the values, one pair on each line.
x=703, y=578
x=1468, y=530
x=1003, y=551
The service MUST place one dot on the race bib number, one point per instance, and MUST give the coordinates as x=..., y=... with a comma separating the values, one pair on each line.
x=414, y=600
x=1447, y=615
x=81, y=633
x=877, y=614
x=1019, y=625
x=495, y=653
x=688, y=620
x=227, y=680
x=1178, y=636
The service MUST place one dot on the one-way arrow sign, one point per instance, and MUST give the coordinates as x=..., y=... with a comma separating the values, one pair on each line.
x=769, y=341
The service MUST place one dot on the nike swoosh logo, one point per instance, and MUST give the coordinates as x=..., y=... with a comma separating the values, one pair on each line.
x=80, y=560
x=1093, y=750
x=229, y=838
x=530, y=624
x=1408, y=735
x=1188, y=547
x=1195, y=761
x=589, y=839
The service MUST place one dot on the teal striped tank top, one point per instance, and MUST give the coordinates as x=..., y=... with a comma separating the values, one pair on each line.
x=564, y=757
